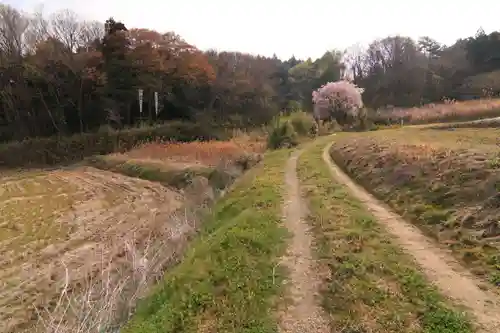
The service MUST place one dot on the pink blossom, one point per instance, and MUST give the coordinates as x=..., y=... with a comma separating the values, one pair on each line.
x=339, y=100
x=339, y=94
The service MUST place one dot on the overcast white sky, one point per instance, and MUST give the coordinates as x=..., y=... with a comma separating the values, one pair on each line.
x=286, y=27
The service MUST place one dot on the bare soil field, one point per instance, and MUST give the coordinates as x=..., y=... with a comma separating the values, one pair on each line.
x=446, y=182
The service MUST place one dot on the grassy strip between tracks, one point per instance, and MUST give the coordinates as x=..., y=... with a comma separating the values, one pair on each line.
x=372, y=286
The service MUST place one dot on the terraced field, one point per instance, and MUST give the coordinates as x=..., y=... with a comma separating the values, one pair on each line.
x=66, y=233
x=211, y=153
x=71, y=220
x=446, y=181
x=448, y=112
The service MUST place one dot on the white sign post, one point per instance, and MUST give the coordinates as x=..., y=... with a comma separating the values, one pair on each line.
x=156, y=102
x=140, y=99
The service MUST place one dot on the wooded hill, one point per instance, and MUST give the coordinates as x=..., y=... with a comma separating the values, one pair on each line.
x=61, y=75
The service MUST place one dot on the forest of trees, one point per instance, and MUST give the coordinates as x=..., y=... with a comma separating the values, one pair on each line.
x=60, y=75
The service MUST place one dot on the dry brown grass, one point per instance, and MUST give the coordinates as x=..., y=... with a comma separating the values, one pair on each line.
x=444, y=112
x=67, y=220
x=209, y=153
x=447, y=182
x=107, y=297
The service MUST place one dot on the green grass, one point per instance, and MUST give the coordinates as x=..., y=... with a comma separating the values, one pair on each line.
x=373, y=286
x=229, y=280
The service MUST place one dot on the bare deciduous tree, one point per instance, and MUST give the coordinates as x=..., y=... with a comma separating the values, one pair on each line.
x=13, y=28
x=67, y=28
x=90, y=32
x=38, y=31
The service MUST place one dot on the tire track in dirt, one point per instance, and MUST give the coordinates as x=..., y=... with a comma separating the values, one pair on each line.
x=437, y=264
x=303, y=314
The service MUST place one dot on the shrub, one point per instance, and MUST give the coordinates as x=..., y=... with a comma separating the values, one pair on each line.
x=303, y=123
x=293, y=106
x=282, y=135
x=365, y=120
x=328, y=127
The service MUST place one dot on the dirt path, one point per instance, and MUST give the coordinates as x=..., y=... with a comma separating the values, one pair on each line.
x=437, y=264
x=303, y=314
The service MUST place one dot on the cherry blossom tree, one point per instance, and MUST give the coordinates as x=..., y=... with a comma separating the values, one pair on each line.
x=340, y=100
